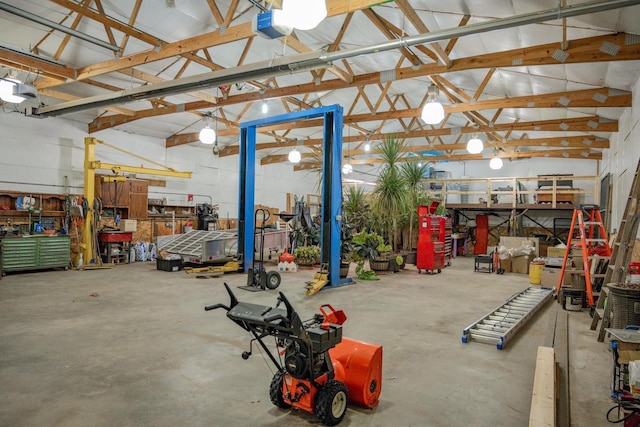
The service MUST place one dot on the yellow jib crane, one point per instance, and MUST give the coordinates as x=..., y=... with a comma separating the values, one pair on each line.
x=90, y=167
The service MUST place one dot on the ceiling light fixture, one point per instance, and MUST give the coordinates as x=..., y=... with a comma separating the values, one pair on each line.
x=433, y=111
x=207, y=134
x=265, y=107
x=304, y=15
x=496, y=162
x=347, y=168
x=475, y=145
x=294, y=156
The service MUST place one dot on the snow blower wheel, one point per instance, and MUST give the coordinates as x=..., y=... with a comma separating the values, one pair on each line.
x=331, y=402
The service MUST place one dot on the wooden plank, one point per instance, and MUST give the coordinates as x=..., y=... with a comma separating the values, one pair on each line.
x=561, y=346
x=543, y=402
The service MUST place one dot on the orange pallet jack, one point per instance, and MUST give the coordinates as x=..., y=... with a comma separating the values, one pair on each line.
x=593, y=244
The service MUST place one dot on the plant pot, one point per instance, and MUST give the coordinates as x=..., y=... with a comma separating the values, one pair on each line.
x=379, y=264
x=344, y=270
x=393, y=265
x=411, y=257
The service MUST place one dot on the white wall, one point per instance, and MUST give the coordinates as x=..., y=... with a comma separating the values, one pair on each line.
x=621, y=160
x=36, y=154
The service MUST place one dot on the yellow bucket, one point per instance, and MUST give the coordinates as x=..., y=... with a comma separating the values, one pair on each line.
x=535, y=272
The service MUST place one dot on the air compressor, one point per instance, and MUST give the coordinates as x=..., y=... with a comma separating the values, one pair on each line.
x=317, y=370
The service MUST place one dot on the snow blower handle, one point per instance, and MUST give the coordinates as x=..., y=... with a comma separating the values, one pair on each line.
x=337, y=317
x=214, y=306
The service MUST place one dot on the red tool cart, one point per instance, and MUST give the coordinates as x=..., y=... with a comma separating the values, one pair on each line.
x=431, y=240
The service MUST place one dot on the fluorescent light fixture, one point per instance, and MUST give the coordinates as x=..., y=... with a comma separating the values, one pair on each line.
x=475, y=145
x=433, y=111
x=8, y=87
x=295, y=156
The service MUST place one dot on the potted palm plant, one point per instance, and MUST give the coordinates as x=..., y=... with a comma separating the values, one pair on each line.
x=413, y=174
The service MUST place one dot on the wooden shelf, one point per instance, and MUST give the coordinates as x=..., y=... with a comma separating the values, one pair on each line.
x=16, y=213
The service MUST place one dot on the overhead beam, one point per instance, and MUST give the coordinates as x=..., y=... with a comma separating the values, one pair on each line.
x=559, y=154
x=585, y=142
x=583, y=124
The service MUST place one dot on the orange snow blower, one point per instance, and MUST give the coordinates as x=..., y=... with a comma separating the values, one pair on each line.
x=321, y=371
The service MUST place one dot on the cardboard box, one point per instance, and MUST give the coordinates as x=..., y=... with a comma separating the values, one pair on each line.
x=550, y=276
x=129, y=225
x=518, y=242
x=506, y=265
x=520, y=264
x=556, y=252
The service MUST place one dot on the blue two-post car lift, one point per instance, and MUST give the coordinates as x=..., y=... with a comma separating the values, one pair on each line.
x=331, y=212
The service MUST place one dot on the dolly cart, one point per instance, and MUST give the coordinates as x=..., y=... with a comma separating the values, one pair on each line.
x=321, y=371
x=258, y=279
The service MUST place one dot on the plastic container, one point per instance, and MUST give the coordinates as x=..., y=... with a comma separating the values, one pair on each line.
x=169, y=264
x=535, y=272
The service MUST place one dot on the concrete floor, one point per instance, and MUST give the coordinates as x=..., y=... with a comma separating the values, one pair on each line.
x=132, y=346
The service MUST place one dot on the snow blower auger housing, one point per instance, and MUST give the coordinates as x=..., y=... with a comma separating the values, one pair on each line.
x=321, y=371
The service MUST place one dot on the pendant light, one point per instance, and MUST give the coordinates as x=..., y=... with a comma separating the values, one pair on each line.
x=304, y=15
x=475, y=145
x=496, y=162
x=265, y=107
x=207, y=134
x=433, y=111
x=294, y=156
x=347, y=168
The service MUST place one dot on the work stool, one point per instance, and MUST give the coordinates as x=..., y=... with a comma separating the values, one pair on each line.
x=484, y=263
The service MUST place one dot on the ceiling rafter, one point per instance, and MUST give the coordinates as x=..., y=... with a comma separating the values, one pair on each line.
x=384, y=29
x=421, y=28
x=107, y=28
x=452, y=42
x=132, y=20
x=567, y=154
x=582, y=124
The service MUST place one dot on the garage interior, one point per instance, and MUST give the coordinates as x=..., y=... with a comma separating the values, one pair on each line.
x=147, y=144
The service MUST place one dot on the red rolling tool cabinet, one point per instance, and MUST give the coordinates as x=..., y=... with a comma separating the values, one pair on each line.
x=432, y=240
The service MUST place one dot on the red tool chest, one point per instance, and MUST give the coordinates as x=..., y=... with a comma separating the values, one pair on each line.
x=434, y=240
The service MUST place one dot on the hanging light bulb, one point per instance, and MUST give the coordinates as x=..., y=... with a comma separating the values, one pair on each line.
x=367, y=147
x=475, y=145
x=294, y=156
x=347, y=168
x=207, y=134
x=433, y=111
x=303, y=15
x=265, y=107
x=7, y=85
x=495, y=163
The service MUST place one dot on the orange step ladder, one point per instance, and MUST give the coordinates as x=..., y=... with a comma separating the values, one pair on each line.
x=593, y=243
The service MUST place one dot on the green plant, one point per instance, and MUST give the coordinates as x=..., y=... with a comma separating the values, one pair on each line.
x=413, y=173
x=346, y=240
x=390, y=188
x=366, y=245
x=363, y=274
x=357, y=208
x=307, y=254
